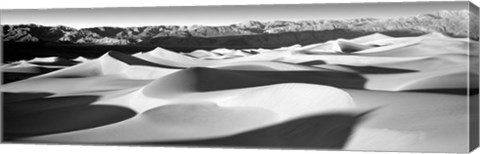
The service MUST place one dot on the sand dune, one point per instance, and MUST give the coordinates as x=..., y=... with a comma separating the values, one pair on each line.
x=81, y=59
x=369, y=38
x=214, y=119
x=203, y=54
x=428, y=47
x=447, y=78
x=23, y=69
x=410, y=121
x=23, y=64
x=45, y=59
x=165, y=57
x=55, y=61
x=26, y=67
x=374, y=92
x=337, y=46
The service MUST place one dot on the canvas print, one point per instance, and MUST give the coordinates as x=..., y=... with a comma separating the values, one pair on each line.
x=359, y=76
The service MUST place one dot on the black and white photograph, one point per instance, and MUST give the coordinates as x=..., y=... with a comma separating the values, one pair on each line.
x=384, y=76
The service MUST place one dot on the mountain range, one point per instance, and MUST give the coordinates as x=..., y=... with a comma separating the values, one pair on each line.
x=454, y=23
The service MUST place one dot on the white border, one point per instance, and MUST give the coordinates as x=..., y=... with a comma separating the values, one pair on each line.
x=77, y=149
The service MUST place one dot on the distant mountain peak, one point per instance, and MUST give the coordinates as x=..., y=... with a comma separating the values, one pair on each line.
x=251, y=24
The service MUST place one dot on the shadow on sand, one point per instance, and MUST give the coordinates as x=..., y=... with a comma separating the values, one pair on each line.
x=9, y=97
x=42, y=116
x=377, y=70
x=452, y=91
x=328, y=131
x=208, y=79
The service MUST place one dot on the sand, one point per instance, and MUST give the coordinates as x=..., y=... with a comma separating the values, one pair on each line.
x=374, y=92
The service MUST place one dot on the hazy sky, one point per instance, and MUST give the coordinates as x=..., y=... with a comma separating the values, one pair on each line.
x=217, y=15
